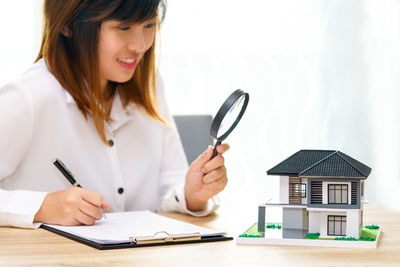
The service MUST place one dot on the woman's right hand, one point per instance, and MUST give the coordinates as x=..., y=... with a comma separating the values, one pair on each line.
x=73, y=206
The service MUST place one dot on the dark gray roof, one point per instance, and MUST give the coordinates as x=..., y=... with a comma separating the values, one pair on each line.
x=321, y=163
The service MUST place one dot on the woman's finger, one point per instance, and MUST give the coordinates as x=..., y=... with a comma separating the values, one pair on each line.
x=84, y=218
x=92, y=197
x=91, y=210
x=213, y=164
x=214, y=175
x=222, y=148
x=216, y=186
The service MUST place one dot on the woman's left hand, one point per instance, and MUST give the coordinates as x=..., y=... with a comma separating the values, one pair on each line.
x=205, y=178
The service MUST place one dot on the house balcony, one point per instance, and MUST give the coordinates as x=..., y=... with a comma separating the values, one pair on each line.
x=284, y=205
x=313, y=206
x=334, y=206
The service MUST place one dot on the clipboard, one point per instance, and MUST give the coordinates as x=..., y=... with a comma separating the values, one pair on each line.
x=140, y=237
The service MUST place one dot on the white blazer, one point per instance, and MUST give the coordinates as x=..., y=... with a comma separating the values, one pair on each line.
x=40, y=121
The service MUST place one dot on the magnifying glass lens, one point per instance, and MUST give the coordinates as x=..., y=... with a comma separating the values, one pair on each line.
x=231, y=116
x=228, y=116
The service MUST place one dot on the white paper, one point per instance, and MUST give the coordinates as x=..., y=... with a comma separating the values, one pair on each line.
x=119, y=227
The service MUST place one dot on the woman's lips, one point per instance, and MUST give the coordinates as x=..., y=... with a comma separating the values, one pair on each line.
x=128, y=63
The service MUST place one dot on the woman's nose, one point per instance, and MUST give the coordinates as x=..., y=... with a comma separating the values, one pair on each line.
x=137, y=41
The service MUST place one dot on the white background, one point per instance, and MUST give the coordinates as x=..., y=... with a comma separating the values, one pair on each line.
x=321, y=75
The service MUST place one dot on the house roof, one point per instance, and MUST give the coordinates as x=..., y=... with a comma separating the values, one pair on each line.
x=321, y=163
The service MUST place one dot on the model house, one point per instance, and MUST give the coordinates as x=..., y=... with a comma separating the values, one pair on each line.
x=321, y=191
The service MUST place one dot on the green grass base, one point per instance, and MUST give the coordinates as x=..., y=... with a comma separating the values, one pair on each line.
x=368, y=233
x=253, y=230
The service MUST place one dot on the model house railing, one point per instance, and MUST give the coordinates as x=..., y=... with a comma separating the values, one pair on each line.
x=316, y=192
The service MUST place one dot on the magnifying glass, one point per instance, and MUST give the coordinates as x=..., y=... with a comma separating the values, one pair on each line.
x=228, y=116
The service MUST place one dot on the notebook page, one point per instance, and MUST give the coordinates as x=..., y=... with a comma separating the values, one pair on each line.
x=118, y=227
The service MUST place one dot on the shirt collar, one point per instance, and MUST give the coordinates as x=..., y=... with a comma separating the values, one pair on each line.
x=119, y=115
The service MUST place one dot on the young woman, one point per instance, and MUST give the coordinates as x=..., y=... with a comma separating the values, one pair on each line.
x=92, y=100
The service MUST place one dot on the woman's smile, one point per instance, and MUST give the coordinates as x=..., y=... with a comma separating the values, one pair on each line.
x=128, y=62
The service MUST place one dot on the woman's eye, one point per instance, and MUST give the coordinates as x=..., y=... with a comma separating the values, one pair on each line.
x=124, y=28
x=149, y=25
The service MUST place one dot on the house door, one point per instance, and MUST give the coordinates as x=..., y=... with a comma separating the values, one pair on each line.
x=336, y=225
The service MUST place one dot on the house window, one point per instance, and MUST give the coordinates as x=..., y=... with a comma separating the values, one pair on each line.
x=337, y=194
x=297, y=190
x=337, y=225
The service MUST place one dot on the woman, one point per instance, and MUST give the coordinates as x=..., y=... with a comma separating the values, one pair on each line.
x=91, y=100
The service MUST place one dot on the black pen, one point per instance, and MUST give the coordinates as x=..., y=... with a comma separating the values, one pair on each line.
x=67, y=173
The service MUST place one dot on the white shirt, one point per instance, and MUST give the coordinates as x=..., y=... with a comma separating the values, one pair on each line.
x=40, y=121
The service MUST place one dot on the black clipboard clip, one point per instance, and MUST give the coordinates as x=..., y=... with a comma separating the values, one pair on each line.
x=164, y=237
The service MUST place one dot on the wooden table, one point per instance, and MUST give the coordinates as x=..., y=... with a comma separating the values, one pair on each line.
x=42, y=248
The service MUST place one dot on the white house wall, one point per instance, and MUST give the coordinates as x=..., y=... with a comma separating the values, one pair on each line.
x=325, y=191
x=314, y=224
x=284, y=190
x=353, y=223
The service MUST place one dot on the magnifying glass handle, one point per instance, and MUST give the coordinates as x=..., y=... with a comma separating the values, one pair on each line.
x=215, y=149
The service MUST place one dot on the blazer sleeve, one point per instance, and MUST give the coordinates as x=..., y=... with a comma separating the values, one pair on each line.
x=174, y=166
x=17, y=208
